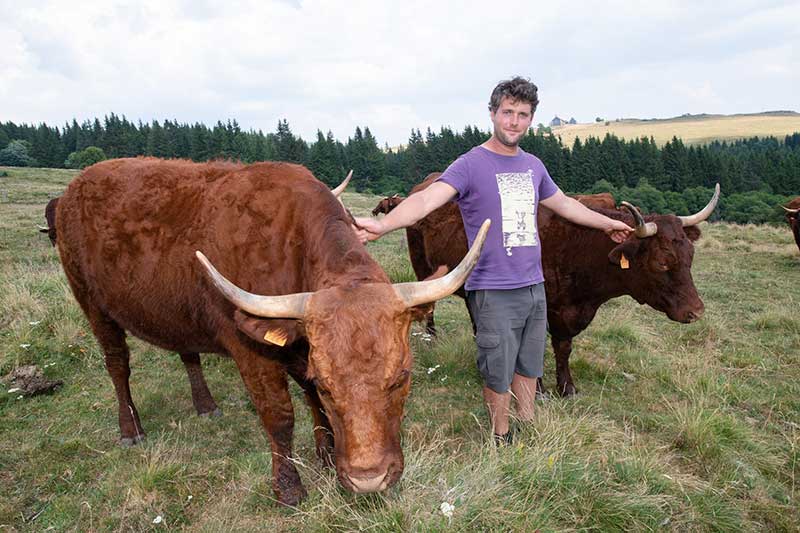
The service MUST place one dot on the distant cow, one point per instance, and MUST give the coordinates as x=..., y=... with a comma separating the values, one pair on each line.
x=50, y=217
x=583, y=268
x=312, y=302
x=793, y=218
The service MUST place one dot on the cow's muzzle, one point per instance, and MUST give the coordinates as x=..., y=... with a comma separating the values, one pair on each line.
x=370, y=484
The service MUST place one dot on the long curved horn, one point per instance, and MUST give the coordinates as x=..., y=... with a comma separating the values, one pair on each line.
x=792, y=211
x=422, y=292
x=340, y=189
x=284, y=306
x=44, y=229
x=704, y=213
x=643, y=229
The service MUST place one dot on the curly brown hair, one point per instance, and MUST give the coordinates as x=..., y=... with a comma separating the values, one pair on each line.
x=518, y=89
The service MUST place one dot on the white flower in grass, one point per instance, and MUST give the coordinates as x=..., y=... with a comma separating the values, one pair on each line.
x=15, y=389
x=35, y=323
x=432, y=369
x=25, y=346
x=447, y=509
x=157, y=520
x=189, y=498
x=20, y=397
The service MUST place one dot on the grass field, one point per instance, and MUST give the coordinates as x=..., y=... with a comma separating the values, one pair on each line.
x=676, y=427
x=692, y=129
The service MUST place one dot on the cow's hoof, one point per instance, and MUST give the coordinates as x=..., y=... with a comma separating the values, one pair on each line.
x=127, y=442
x=291, y=497
x=568, y=391
x=211, y=414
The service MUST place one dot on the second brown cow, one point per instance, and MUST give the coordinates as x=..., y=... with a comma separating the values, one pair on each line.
x=583, y=268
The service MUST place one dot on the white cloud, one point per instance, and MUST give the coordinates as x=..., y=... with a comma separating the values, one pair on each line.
x=391, y=66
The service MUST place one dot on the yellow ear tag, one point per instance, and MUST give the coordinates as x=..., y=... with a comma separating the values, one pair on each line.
x=276, y=336
x=623, y=262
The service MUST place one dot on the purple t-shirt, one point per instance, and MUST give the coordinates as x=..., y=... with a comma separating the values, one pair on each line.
x=506, y=189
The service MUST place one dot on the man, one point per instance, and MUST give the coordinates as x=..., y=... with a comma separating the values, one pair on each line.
x=505, y=291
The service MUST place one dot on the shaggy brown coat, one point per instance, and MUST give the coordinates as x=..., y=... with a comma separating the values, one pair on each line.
x=128, y=232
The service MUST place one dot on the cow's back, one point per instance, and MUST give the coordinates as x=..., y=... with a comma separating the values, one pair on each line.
x=129, y=230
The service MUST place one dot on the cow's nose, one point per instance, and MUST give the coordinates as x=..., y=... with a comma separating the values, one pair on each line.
x=371, y=484
x=691, y=316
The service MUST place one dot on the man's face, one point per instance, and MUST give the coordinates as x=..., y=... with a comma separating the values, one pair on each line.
x=511, y=120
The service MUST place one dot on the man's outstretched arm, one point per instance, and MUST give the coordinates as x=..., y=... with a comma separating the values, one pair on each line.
x=576, y=212
x=414, y=208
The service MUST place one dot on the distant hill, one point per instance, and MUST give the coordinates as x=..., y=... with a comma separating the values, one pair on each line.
x=693, y=129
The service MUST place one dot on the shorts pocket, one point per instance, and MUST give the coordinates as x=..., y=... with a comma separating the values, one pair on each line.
x=491, y=363
x=487, y=341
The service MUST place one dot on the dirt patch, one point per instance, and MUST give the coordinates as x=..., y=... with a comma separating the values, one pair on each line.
x=30, y=381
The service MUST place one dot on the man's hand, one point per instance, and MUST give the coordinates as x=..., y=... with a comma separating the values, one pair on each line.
x=368, y=229
x=618, y=231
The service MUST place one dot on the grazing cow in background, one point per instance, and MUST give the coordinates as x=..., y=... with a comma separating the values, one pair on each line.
x=387, y=204
x=50, y=217
x=439, y=238
x=313, y=304
x=583, y=268
x=793, y=218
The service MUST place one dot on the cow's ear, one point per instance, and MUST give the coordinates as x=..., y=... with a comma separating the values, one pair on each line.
x=280, y=332
x=627, y=248
x=693, y=232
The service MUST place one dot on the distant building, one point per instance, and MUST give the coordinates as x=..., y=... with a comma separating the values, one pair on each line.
x=557, y=121
x=573, y=121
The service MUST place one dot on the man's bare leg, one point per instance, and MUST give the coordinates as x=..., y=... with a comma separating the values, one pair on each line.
x=524, y=390
x=498, y=405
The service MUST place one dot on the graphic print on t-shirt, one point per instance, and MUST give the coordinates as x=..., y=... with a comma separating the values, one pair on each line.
x=517, y=201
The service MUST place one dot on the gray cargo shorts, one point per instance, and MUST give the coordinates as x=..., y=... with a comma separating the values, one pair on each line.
x=511, y=332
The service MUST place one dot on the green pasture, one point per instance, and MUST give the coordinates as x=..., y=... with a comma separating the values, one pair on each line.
x=676, y=427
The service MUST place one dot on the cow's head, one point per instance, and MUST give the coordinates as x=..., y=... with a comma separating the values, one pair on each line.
x=359, y=360
x=387, y=204
x=50, y=217
x=793, y=218
x=657, y=261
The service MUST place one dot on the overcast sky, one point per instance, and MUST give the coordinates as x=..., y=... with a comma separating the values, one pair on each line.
x=392, y=66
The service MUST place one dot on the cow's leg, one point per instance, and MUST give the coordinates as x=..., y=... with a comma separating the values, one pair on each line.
x=323, y=432
x=265, y=380
x=471, y=319
x=203, y=402
x=430, y=325
x=562, y=348
x=111, y=338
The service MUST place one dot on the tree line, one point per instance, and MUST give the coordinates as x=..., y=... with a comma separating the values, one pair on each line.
x=760, y=172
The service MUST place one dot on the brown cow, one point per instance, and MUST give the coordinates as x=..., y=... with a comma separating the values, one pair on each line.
x=583, y=267
x=323, y=310
x=50, y=217
x=793, y=218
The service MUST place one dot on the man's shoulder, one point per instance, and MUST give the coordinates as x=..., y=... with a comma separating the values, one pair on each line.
x=476, y=152
x=530, y=157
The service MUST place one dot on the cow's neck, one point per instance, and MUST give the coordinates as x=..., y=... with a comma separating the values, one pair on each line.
x=336, y=258
x=582, y=254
